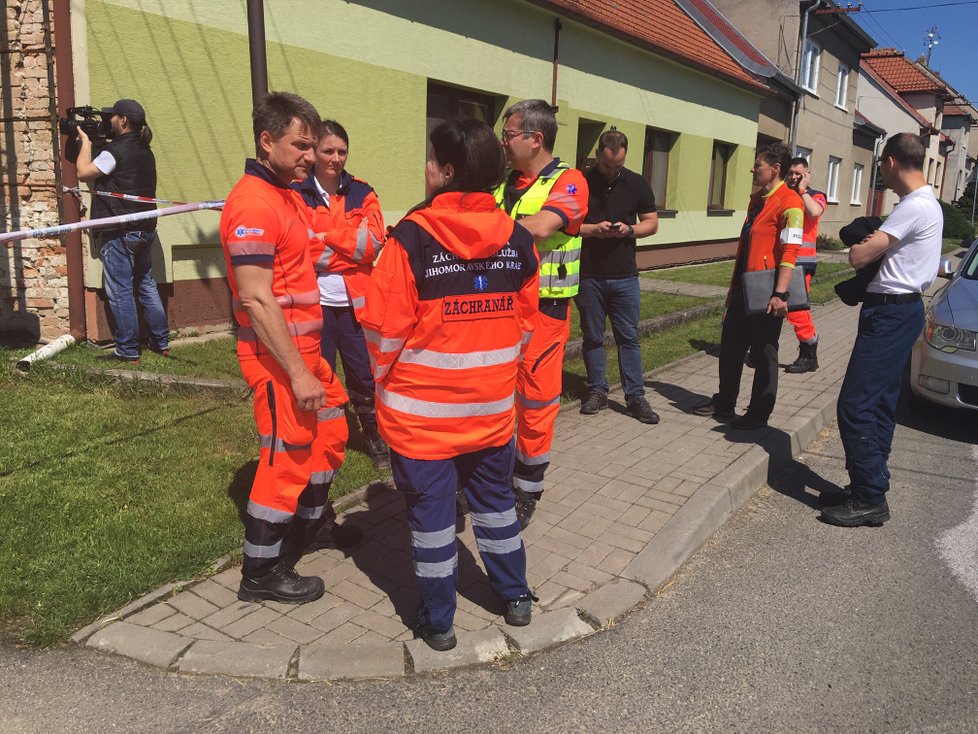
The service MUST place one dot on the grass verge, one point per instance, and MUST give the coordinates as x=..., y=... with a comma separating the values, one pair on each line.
x=718, y=274
x=108, y=490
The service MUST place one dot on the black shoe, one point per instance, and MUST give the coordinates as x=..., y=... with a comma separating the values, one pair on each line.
x=807, y=360
x=854, y=513
x=335, y=537
x=640, y=410
x=831, y=499
x=594, y=402
x=748, y=422
x=284, y=585
x=113, y=357
x=440, y=641
x=711, y=409
x=377, y=449
x=526, y=505
x=519, y=611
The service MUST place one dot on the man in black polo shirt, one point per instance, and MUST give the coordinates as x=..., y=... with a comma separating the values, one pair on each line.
x=609, y=277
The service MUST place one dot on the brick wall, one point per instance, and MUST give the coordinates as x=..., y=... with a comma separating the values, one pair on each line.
x=33, y=273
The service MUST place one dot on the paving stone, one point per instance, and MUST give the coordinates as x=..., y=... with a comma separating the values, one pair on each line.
x=200, y=631
x=295, y=630
x=151, y=615
x=370, y=620
x=356, y=660
x=174, y=622
x=566, y=599
x=230, y=578
x=241, y=659
x=140, y=643
x=218, y=595
x=346, y=632
x=260, y=617
x=355, y=594
x=265, y=636
x=547, y=629
x=309, y=611
x=192, y=605
x=333, y=618
x=226, y=616
x=611, y=600
x=473, y=647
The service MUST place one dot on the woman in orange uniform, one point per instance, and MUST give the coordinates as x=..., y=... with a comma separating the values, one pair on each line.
x=449, y=313
x=344, y=214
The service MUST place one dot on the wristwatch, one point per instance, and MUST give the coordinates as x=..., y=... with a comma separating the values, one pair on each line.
x=783, y=295
x=631, y=231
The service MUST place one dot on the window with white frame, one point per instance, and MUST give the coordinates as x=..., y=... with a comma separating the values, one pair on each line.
x=857, y=183
x=832, y=184
x=805, y=153
x=937, y=176
x=811, y=60
x=842, y=86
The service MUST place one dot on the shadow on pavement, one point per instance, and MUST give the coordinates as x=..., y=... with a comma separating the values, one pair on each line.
x=240, y=487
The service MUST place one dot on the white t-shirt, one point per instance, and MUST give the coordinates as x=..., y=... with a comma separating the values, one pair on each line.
x=910, y=266
x=332, y=287
x=105, y=162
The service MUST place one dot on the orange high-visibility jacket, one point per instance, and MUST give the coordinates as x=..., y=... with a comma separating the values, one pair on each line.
x=772, y=231
x=260, y=225
x=347, y=234
x=450, y=307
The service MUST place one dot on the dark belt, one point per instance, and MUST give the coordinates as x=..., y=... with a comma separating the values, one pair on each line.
x=878, y=299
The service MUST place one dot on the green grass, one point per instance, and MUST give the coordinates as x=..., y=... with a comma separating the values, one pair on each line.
x=718, y=274
x=651, y=304
x=108, y=490
x=214, y=358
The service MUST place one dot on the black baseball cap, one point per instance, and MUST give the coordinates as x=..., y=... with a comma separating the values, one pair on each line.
x=129, y=108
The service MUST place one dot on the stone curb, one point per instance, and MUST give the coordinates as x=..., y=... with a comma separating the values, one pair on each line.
x=238, y=387
x=549, y=629
x=238, y=659
x=473, y=648
x=323, y=663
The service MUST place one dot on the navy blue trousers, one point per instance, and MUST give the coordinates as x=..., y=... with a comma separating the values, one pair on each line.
x=429, y=489
x=870, y=391
x=342, y=332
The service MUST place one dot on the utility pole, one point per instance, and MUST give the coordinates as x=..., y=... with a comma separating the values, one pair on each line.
x=931, y=39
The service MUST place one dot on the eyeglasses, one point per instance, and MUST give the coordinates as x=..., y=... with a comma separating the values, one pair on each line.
x=508, y=135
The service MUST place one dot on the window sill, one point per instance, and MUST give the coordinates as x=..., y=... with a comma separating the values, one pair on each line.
x=831, y=201
x=667, y=213
x=855, y=203
x=720, y=212
x=813, y=92
x=841, y=107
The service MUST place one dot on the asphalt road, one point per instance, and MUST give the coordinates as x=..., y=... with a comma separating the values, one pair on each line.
x=780, y=624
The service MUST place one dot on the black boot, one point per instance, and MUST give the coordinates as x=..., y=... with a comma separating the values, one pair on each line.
x=807, y=360
x=283, y=585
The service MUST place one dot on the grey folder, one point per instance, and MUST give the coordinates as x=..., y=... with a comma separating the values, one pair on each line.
x=759, y=285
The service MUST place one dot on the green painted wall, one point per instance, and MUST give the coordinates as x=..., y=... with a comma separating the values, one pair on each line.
x=367, y=64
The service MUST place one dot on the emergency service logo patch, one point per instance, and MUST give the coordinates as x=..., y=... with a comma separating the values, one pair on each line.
x=471, y=308
x=571, y=189
x=243, y=231
x=480, y=283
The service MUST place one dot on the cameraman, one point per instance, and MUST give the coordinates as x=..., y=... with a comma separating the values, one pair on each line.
x=126, y=165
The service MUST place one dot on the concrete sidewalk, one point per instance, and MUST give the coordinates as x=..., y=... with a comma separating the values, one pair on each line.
x=626, y=504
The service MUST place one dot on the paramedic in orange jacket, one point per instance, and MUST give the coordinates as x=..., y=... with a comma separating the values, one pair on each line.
x=344, y=215
x=769, y=238
x=449, y=313
x=549, y=198
x=298, y=400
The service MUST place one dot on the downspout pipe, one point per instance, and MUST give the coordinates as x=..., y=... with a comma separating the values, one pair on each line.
x=64, y=86
x=801, y=55
x=256, y=50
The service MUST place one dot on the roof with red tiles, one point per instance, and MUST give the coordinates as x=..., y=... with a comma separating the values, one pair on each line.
x=892, y=92
x=899, y=72
x=661, y=26
x=953, y=109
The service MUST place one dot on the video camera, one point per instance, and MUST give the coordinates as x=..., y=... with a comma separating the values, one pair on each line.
x=86, y=118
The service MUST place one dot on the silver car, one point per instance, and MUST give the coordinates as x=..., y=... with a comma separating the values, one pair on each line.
x=944, y=363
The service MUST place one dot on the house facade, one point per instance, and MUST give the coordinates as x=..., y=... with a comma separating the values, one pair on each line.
x=389, y=72
x=819, y=46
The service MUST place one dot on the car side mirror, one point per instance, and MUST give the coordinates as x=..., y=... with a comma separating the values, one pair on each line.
x=945, y=270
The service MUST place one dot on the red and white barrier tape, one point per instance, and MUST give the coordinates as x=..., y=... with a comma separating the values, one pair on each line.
x=118, y=195
x=43, y=232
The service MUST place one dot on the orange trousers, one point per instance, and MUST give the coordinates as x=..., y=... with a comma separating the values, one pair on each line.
x=802, y=320
x=538, y=386
x=299, y=455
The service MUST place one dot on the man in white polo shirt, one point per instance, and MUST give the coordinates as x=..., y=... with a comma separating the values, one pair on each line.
x=891, y=318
